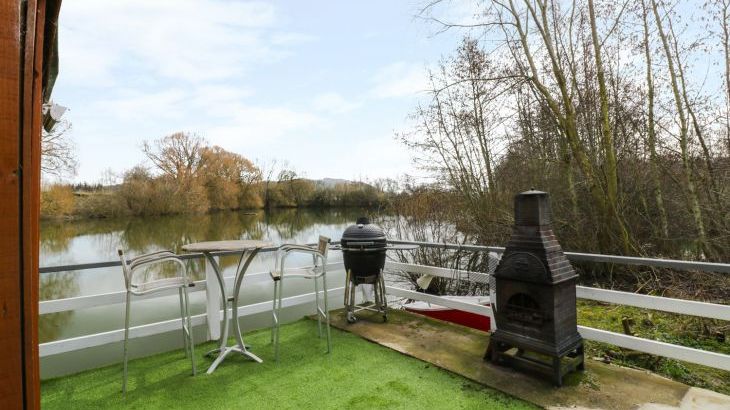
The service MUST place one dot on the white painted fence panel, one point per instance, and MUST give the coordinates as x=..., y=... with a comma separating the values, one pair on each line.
x=98, y=339
x=687, y=354
x=681, y=306
x=111, y=298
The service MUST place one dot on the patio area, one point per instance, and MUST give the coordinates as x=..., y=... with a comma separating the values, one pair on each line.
x=358, y=374
x=460, y=350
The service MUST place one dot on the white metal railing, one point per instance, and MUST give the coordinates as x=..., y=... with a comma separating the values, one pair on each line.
x=99, y=339
x=213, y=314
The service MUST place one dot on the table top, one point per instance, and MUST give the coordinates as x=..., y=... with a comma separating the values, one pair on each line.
x=214, y=246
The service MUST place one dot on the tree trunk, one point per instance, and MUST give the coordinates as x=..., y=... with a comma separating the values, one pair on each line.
x=694, y=203
x=651, y=133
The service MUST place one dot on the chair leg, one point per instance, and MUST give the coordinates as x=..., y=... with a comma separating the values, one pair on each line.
x=326, y=312
x=278, y=321
x=126, y=342
x=274, y=318
x=316, y=303
x=189, y=331
x=183, y=315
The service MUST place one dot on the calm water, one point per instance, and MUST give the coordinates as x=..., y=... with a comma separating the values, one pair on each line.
x=74, y=242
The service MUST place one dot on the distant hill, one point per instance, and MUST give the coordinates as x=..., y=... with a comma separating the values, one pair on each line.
x=330, y=182
x=333, y=182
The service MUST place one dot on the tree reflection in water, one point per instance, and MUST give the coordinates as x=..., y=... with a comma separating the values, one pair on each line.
x=56, y=285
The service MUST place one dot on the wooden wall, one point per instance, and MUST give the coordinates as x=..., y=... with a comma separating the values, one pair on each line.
x=21, y=58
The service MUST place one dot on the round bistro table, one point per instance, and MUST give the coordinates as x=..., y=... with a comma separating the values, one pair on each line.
x=248, y=249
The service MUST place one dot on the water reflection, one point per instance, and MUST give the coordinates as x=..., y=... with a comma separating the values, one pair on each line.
x=57, y=285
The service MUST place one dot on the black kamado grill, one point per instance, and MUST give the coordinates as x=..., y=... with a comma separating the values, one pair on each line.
x=363, y=250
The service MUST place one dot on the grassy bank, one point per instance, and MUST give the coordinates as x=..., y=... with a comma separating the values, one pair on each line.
x=681, y=330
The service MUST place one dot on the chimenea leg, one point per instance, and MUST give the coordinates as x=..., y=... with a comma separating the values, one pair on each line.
x=581, y=357
x=557, y=374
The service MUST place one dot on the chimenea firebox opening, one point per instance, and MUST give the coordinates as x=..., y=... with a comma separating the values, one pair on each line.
x=535, y=311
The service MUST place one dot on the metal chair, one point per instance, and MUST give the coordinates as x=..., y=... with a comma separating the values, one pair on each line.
x=315, y=272
x=139, y=285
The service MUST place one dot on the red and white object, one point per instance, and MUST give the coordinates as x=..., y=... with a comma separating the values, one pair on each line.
x=448, y=314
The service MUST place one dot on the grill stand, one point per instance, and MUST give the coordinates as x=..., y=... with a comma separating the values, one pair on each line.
x=379, y=305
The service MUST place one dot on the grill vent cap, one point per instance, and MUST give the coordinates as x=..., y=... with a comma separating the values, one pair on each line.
x=362, y=230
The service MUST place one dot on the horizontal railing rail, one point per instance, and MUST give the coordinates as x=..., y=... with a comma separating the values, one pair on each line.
x=592, y=257
x=111, y=298
x=672, y=305
x=111, y=264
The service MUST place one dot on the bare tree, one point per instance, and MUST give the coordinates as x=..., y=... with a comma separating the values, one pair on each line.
x=58, y=153
x=650, y=127
x=683, y=135
x=178, y=155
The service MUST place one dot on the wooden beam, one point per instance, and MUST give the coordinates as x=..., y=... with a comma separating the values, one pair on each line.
x=22, y=25
x=11, y=303
x=30, y=194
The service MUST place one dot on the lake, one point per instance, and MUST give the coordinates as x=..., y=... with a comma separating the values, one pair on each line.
x=85, y=241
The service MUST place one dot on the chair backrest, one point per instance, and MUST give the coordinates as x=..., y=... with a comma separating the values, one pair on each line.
x=323, y=245
x=125, y=269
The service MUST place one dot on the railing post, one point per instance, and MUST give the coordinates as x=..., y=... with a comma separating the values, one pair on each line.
x=213, y=301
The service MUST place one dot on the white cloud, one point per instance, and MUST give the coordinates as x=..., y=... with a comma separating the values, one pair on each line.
x=259, y=126
x=400, y=80
x=333, y=103
x=193, y=41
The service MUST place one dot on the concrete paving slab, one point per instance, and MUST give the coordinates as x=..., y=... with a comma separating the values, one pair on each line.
x=702, y=399
x=460, y=349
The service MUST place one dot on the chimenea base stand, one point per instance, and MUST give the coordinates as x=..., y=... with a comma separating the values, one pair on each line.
x=550, y=364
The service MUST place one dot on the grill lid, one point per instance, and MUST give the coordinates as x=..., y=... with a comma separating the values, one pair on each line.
x=363, y=230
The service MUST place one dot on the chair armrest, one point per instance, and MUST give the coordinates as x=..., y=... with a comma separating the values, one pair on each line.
x=285, y=250
x=294, y=247
x=157, y=259
x=153, y=255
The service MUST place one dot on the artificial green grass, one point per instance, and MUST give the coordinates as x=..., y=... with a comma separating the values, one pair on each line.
x=356, y=375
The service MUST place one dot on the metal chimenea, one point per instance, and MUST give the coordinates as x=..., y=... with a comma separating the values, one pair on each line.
x=536, y=310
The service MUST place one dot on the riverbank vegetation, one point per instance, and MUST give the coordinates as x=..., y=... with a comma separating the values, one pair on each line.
x=189, y=176
x=622, y=114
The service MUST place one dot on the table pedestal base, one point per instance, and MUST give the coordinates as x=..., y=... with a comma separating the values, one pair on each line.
x=225, y=351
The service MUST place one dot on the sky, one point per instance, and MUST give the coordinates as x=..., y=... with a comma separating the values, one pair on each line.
x=323, y=85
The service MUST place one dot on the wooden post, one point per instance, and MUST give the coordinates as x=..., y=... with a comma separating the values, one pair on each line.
x=213, y=301
x=11, y=295
x=22, y=26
